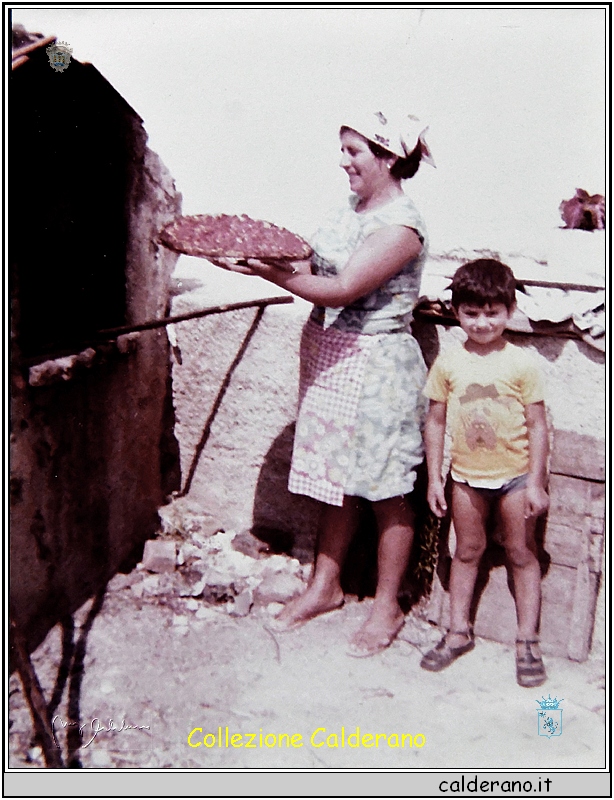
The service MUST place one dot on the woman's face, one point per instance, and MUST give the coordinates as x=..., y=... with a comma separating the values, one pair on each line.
x=366, y=172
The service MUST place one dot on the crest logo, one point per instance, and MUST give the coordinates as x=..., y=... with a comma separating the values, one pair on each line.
x=59, y=55
x=549, y=717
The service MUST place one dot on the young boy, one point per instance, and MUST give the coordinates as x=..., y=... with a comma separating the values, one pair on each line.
x=492, y=394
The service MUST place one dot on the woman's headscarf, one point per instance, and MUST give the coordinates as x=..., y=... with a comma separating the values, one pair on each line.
x=399, y=134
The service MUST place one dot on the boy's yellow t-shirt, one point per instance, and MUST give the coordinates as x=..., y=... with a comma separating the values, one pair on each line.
x=486, y=397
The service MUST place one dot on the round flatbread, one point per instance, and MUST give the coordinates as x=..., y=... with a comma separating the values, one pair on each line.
x=226, y=236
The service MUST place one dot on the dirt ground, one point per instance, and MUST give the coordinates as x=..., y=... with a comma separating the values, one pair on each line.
x=164, y=659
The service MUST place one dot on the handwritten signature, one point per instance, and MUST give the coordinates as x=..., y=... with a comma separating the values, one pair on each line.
x=96, y=727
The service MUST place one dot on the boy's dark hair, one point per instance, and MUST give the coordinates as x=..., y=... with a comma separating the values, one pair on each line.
x=482, y=283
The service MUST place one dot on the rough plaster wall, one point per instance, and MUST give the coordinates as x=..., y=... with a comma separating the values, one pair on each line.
x=241, y=473
x=154, y=201
x=86, y=453
x=242, y=469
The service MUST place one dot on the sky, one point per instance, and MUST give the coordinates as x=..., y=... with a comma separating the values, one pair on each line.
x=244, y=105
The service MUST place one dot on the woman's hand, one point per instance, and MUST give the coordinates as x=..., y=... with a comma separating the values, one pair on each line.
x=231, y=264
x=265, y=267
x=269, y=270
x=382, y=255
x=302, y=267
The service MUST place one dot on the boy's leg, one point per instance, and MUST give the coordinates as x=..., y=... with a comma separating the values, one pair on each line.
x=395, y=523
x=469, y=513
x=520, y=547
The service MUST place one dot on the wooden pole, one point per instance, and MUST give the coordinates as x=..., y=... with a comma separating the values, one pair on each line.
x=35, y=699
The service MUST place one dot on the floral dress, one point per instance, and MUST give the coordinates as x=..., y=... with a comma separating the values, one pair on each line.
x=361, y=406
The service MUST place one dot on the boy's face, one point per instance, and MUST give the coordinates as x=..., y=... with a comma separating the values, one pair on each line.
x=484, y=325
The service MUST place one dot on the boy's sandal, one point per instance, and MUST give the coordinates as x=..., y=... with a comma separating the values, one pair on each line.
x=442, y=655
x=530, y=670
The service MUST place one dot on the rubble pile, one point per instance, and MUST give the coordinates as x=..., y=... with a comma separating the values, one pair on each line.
x=197, y=568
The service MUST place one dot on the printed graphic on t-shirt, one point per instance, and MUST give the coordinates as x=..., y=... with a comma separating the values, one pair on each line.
x=482, y=413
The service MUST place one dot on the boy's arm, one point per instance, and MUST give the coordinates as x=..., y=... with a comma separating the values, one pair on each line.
x=537, y=500
x=434, y=435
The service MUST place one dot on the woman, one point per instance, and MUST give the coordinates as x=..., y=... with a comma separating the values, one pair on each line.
x=361, y=409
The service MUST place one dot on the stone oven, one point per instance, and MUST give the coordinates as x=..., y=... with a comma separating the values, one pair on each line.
x=92, y=445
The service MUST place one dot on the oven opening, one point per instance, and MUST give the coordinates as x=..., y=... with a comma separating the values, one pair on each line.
x=70, y=148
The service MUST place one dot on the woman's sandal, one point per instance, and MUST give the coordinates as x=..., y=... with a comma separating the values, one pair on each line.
x=530, y=670
x=442, y=655
x=378, y=645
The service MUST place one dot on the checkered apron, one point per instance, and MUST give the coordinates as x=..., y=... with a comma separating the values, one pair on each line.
x=333, y=364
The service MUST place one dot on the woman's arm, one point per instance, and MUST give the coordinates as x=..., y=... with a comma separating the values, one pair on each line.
x=381, y=256
x=537, y=500
x=434, y=435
